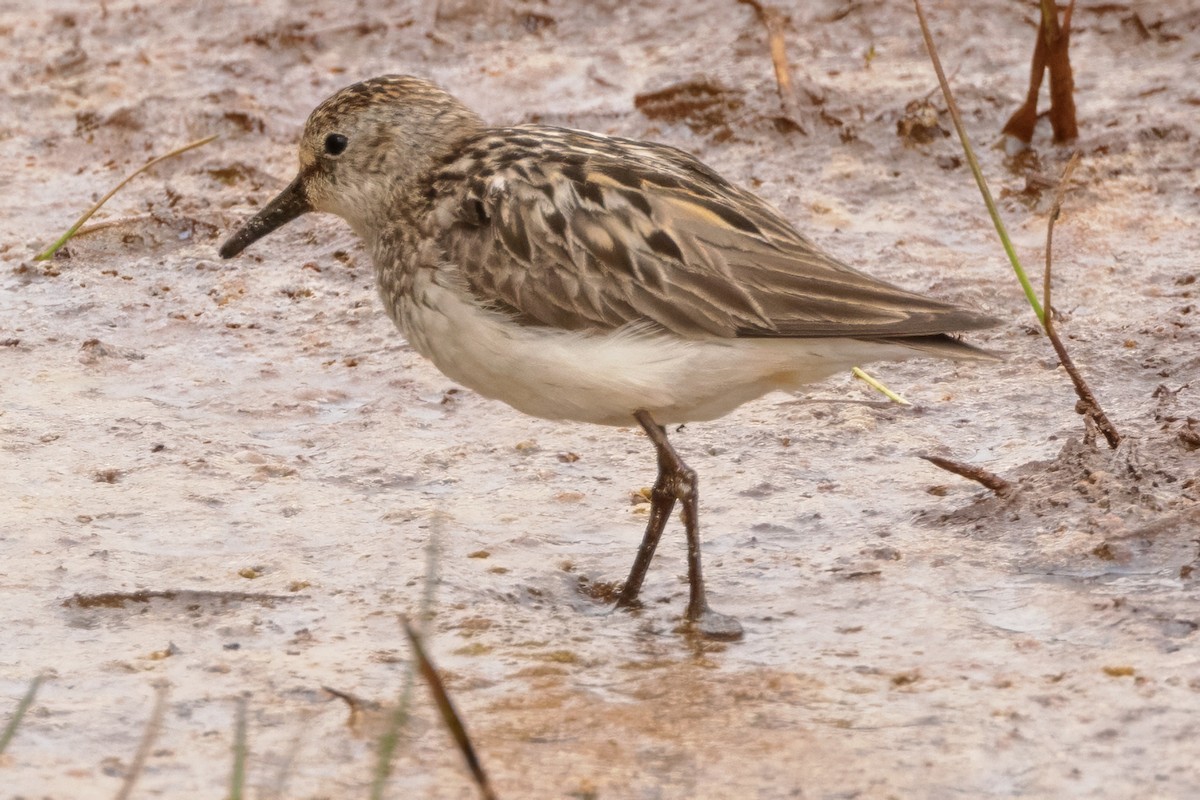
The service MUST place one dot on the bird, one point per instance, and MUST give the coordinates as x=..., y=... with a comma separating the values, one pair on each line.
x=591, y=278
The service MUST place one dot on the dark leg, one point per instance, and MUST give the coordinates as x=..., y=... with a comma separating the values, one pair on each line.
x=676, y=481
x=662, y=501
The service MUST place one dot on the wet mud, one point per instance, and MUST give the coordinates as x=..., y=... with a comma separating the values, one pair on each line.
x=230, y=475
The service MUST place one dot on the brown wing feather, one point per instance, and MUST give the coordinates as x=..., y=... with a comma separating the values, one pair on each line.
x=580, y=231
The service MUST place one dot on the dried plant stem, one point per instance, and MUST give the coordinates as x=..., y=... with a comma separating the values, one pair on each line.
x=878, y=386
x=104, y=224
x=49, y=252
x=991, y=480
x=1088, y=405
x=153, y=726
x=1051, y=49
x=1022, y=122
x=450, y=715
x=772, y=19
x=1062, y=81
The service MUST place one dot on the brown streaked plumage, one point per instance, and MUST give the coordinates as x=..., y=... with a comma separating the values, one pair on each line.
x=586, y=277
x=584, y=232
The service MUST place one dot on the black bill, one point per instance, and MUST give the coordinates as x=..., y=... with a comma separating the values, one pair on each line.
x=287, y=205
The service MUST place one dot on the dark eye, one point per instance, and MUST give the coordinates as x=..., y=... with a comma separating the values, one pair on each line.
x=335, y=143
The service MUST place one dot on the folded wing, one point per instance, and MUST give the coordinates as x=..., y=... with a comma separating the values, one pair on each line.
x=579, y=231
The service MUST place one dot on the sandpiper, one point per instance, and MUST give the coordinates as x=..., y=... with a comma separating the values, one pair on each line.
x=584, y=277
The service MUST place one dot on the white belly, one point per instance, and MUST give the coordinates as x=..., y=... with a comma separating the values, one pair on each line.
x=604, y=378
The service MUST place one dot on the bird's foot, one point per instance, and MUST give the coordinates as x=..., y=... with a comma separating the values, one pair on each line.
x=627, y=601
x=711, y=625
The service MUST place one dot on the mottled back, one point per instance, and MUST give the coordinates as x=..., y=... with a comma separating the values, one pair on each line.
x=580, y=231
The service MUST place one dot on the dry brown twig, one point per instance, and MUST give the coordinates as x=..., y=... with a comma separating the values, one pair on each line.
x=1062, y=81
x=991, y=480
x=1088, y=405
x=153, y=726
x=1051, y=50
x=450, y=715
x=773, y=20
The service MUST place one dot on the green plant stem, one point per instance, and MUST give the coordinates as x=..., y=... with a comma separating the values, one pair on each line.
x=390, y=739
x=237, y=777
x=49, y=252
x=10, y=730
x=1030, y=295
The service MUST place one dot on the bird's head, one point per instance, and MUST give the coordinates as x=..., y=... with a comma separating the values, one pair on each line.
x=361, y=148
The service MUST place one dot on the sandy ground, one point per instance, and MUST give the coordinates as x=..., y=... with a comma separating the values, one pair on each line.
x=252, y=442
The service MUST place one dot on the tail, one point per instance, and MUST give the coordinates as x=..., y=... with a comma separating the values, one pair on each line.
x=940, y=345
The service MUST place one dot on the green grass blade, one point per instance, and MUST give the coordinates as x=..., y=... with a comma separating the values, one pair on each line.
x=390, y=739
x=10, y=730
x=977, y=171
x=237, y=777
x=49, y=252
